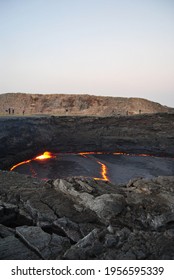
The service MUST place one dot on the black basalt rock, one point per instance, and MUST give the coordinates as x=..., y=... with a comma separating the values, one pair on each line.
x=60, y=220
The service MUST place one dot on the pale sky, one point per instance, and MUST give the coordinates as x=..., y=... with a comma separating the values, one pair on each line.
x=101, y=47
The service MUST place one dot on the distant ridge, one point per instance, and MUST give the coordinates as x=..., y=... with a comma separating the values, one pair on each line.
x=76, y=104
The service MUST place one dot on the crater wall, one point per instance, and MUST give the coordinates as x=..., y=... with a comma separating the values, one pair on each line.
x=24, y=137
x=76, y=104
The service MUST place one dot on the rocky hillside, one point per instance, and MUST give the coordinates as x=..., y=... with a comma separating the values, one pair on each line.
x=86, y=219
x=69, y=104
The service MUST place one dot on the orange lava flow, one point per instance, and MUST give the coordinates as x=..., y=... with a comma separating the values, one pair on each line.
x=85, y=154
x=138, y=155
x=104, y=169
x=103, y=172
x=120, y=153
x=91, y=153
x=115, y=153
x=44, y=156
x=20, y=163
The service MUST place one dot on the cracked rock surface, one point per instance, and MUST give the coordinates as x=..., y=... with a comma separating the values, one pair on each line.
x=81, y=218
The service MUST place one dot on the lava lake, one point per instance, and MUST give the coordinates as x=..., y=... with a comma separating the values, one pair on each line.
x=113, y=167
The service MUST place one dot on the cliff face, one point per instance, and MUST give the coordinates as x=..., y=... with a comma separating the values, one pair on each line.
x=69, y=104
x=24, y=137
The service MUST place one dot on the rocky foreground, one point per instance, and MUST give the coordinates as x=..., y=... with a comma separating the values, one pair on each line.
x=80, y=218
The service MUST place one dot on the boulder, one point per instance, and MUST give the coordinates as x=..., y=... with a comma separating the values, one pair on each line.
x=11, y=248
x=70, y=229
x=45, y=245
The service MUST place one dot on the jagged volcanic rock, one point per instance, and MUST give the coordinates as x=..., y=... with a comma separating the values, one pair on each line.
x=62, y=219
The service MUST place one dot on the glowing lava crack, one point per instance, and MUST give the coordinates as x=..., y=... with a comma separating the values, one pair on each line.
x=44, y=156
x=103, y=167
x=48, y=155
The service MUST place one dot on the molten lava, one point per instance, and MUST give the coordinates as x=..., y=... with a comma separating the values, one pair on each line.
x=44, y=156
x=104, y=169
x=91, y=153
x=20, y=163
x=121, y=153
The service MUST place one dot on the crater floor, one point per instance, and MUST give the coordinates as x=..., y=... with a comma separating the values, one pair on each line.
x=113, y=167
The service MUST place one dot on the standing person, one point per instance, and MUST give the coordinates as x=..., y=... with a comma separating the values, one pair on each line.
x=9, y=111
